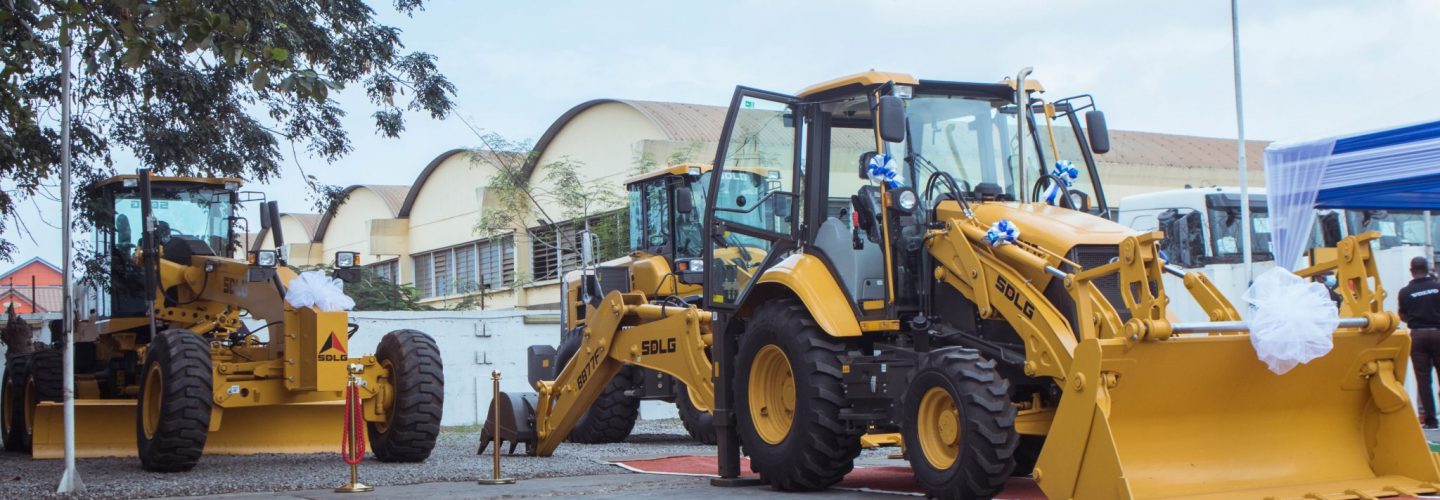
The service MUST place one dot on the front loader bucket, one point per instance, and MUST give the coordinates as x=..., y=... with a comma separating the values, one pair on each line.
x=106, y=428
x=1201, y=417
x=516, y=421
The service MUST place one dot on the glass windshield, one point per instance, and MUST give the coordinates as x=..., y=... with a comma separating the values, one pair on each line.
x=203, y=214
x=734, y=185
x=1396, y=228
x=1225, y=230
x=972, y=139
x=1060, y=142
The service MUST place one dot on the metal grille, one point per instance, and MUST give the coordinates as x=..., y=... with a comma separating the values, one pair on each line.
x=613, y=278
x=1092, y=256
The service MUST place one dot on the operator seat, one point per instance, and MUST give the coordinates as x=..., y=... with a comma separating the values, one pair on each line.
x=861, y=271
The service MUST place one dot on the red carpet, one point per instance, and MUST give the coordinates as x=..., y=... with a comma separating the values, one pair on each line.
x=895, y=480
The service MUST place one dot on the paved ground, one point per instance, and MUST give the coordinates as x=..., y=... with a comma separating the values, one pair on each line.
x=452, y=468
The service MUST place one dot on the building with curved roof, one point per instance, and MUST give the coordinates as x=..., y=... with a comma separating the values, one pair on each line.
x=425, y=235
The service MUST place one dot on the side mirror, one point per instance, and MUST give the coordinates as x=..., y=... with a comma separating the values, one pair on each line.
x=891, y=120
x=780, y=204
x=1099, y=132
x=683, y=202
x=265, y=216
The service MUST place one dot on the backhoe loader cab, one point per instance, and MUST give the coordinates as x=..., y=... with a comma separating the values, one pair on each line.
x=938, y=261
x=166, y=369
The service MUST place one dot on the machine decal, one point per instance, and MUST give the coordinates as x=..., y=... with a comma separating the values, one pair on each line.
x=655, y=347
x=1004, y=287
x=333, y=344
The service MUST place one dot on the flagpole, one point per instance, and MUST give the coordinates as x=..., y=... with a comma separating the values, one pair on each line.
x=1245, y=235
x=70, y=482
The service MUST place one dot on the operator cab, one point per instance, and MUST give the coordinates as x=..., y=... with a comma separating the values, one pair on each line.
x=192, y=217
x=947, y=140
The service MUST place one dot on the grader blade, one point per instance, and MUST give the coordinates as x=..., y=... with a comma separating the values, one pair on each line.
x=106, y=428
x=1201, y=417
x=516, y=421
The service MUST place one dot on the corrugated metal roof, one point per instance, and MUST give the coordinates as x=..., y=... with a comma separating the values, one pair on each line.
x=47, y=298
x=308, y=221
x=683, y=121
x=394, y=196
x=1148, y=148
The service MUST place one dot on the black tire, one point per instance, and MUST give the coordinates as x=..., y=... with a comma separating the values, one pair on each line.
x=172, y=438
x=700, y=424
x=1027, y=454
x=817, y=449
x=985, y=453
x=419, y=382
x=13, y=430
x=613, y=414
x=47, y=368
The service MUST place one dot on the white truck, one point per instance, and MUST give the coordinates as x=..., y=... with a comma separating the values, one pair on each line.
x=1202, y=231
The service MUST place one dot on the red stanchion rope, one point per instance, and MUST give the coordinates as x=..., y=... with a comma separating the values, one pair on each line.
x=352, y=441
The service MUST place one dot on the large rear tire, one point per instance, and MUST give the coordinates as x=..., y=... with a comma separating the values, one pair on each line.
x=173, y=415
x=15, y=430
x=700, y=424
x=418, y=381
x=47, y=371
x=959, y=425
x=789, y=393
x=613, y=414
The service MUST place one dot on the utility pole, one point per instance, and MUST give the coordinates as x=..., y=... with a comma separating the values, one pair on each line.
x=1245, y=239
x=70, y=482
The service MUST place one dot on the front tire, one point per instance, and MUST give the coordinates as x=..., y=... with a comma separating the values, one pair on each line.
x=698, y=423
x=418, y=383
x=613, y=414
x=15, y=429
x=173, y=415
x=789, y=393
x=959, y=426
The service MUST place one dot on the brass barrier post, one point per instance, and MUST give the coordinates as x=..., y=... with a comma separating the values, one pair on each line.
x=352, y=445
x=495, y=400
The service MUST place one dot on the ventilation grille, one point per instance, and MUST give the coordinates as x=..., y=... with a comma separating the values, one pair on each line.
x=1092, y=256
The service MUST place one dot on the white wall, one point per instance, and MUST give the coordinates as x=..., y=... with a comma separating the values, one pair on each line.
x=472, y=345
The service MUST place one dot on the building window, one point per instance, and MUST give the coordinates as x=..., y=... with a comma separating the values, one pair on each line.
x=423, y=275
x=556, y=249
x=466, y=268
x=388, y=270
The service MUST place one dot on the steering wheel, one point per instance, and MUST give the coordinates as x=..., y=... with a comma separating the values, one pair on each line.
x=1040, y=186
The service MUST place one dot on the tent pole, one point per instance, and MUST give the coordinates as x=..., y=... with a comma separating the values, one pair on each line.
x=1245, y=236
x=70, y=482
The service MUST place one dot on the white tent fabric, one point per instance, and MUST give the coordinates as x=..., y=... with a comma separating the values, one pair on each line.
x=1293, y=175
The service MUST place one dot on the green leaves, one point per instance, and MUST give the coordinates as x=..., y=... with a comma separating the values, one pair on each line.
x=279, y=54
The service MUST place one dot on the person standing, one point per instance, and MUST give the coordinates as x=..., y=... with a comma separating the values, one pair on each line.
x=1420, y=309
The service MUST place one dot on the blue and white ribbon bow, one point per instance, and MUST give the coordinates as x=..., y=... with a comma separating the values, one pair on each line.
x=1067, y=174
x=1002, y=233
x=882, y=168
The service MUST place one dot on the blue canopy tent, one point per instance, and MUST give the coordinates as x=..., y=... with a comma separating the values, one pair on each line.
x=1392, y=169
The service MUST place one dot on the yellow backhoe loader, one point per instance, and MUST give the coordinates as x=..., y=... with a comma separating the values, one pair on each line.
x=939, y=260
x=166, y=370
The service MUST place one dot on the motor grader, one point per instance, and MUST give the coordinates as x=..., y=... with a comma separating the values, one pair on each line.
x=165, y=368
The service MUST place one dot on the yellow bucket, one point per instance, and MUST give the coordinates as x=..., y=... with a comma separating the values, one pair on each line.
x=1202, y=417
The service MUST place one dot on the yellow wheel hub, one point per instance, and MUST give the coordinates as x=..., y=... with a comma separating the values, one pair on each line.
x=772, y=394
x=150, y=402
x=937, y=426
x=387, y=400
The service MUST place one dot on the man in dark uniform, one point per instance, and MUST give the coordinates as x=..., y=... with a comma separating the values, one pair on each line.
x=1420, y=309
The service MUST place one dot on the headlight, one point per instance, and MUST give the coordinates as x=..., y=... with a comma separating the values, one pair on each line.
x=906, y=200
x=694, y=171
x=697, y=265
x=266, y=258
x=346, y=260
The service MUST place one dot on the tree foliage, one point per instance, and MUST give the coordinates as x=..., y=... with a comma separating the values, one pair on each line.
x=198, y=87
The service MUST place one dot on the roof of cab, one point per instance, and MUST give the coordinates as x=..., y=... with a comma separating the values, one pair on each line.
x=867, y=78
x=217, y=181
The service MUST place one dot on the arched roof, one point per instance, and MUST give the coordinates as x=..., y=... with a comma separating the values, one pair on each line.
x=310, y=222
x=679, y=121
x=393, y=196
x=419, y=183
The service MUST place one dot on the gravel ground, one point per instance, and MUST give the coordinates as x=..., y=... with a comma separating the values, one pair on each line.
x=453, y=460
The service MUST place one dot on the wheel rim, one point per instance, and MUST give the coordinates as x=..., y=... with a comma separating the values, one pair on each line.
x=388, y=404
x=772, y=394
x=30, y=404
x=150, y=408
x=938, y=427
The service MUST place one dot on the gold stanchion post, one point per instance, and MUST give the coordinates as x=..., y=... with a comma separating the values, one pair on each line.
x=495, y=401
x=352, y=447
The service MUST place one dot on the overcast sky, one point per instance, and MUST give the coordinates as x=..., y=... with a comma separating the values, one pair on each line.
x=1312, y=68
